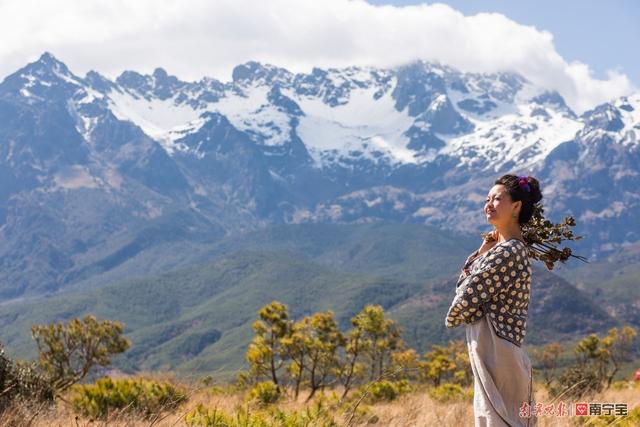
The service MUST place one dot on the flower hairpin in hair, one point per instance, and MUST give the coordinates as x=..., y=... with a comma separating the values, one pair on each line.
x=522, y=182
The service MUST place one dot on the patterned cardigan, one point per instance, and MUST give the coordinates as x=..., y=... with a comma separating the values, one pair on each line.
x=496, y=284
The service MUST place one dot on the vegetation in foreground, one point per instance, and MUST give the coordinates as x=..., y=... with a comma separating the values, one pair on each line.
x=221, y=406
x=301, y=373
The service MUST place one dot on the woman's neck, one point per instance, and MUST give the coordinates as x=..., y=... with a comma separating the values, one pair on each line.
x=510, y=231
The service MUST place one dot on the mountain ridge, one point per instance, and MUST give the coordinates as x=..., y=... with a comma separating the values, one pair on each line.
x=197, y=318
x=89, y=167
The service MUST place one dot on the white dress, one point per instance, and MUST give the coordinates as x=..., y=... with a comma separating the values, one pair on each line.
x=502, y=375
x=491, y=299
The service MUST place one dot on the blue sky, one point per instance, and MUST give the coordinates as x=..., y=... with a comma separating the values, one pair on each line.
x=603, y=34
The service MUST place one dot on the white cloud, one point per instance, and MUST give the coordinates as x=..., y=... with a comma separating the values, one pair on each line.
x=195, y=38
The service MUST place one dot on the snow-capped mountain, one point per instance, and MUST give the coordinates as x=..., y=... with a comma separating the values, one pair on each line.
x=95, y=171
x=390, y=117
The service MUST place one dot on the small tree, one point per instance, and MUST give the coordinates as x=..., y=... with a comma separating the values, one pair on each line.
x=438, y=364
x=618, y=345
x=598, y=360
x=295, y=345
x=406, y=364
x=322, y=340
x=69, y=352
x=266, y=353
x=356, y=344
x=549, y=359
x=381, y=338
x=463, y=373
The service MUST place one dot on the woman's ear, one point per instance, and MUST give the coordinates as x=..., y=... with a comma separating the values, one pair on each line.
x=515, y=209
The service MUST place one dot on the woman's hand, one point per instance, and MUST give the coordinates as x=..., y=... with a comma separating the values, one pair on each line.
x=491, y=239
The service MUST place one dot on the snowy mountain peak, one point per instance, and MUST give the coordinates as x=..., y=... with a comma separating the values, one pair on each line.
x=47, y=63
x=256, y=73
x=420, y=139
x=604, y=117
x=158, y=85
x=408, y=115
x=98, y=82
x=619, y=120
x=628, y=103
x=48, y=71
x=413, y=114
x=45, y=79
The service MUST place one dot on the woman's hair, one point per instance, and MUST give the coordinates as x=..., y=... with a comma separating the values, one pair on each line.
x=518, y=192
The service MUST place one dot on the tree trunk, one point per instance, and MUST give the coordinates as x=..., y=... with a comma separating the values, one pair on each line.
x=298, y=381
x=273, y=364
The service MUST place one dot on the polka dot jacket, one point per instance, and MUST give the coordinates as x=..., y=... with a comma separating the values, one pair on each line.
x=495, y=284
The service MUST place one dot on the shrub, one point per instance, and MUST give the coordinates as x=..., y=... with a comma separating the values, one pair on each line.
x=202, y=417
x=68, y=352
x=622, y=385
x=447, y=392
x=21, y=381
x=138, y=396
x=386, y=390
x=576, y=382
x=264, y=393
x=317, y=415
x=631, y=420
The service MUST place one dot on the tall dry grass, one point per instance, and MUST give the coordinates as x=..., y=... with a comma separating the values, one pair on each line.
x=412, y=409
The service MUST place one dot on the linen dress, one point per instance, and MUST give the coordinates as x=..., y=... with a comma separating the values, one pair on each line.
x=492, y=295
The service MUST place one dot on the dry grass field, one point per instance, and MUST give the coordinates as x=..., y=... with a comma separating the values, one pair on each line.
x=415, y=408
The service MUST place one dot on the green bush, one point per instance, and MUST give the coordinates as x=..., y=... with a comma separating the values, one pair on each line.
x=138, y=396
x=621, y=385
x=21, y=381
x=202, y=417
x=576, y=382
x=447, y=392
x=386, y=390
x=69, y=351
x=264, y=393
x=317, y=415
x=631, y=420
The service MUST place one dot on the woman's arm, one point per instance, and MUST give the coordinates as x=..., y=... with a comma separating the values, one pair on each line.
x=465, y=266
x=487, y=244
x=494, y=275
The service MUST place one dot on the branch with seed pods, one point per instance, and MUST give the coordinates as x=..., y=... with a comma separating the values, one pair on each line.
x=543, y=238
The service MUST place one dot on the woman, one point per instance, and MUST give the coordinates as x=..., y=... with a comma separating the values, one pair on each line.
x=492, y=298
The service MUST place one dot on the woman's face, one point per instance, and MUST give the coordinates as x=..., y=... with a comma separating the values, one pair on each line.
x=499, y=208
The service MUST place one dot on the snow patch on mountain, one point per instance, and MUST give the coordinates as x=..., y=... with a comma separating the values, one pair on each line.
x=169, y=120
x=629, y=108
x=497, y=122
x=515, y=140
x=157, y=118
x=251, y=112
x=364, y=126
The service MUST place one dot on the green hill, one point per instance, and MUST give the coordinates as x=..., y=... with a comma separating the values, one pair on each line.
x=614, y=281
x=198, y=318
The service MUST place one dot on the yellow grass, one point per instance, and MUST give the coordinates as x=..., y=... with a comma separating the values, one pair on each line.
x=413, y=409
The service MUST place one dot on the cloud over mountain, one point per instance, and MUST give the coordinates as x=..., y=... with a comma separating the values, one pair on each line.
x=199, y=38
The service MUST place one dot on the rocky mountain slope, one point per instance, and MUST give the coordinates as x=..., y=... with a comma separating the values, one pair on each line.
x=96, y=174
